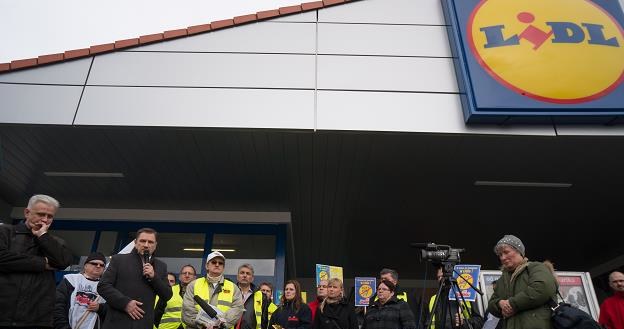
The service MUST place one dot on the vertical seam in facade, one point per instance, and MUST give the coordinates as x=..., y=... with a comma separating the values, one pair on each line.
x=84, y=86
x=316, y=37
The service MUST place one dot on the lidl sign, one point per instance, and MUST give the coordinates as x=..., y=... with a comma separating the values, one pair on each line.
x=538, y=60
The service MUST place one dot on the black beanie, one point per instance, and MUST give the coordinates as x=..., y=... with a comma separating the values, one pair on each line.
x=96, y=256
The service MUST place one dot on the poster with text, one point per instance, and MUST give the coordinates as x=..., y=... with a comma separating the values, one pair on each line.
x=326, y=272
x=365, y=288
x=466, y=275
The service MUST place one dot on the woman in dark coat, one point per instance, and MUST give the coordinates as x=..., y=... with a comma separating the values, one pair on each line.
x=334, y=312
x=388, y=312
x=292, y=312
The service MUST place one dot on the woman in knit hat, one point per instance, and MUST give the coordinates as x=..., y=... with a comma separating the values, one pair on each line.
x=523, y=291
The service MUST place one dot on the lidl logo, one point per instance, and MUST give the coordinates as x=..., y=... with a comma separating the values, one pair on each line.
x=562, y=51
x=567, y=53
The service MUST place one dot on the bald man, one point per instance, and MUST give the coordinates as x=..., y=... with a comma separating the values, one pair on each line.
x=612, y=309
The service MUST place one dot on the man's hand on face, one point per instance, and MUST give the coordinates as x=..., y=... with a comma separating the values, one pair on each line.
x=38, y=232
x=134, y=310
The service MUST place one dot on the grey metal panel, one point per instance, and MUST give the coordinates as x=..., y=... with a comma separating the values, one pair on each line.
x=405, y=112
x=197, y=107
x=258, y=37
x=386, y=11
x=589, y=130
x=204, y=70
x=386, y=73
x=378, y=39
x=309, y=16
x=66, y=73
x=38, y=104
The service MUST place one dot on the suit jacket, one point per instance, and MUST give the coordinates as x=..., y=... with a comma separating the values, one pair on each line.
x=123, y=281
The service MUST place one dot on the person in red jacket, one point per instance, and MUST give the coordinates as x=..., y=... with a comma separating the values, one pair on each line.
x=321, y=293
x=612, y=309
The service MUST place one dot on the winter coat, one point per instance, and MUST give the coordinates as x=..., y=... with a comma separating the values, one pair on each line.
x=528, y=290
x=394, y=314
x=338, y=315
x=27, y=289
x=287, y=317
x=123, y=281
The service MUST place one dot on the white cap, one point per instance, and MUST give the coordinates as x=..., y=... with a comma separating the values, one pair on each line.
x=214, y=254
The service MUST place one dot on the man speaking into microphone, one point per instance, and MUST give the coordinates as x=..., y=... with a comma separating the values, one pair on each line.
x=131, y=283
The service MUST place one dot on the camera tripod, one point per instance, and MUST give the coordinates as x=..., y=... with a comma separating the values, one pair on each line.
x=449, y=308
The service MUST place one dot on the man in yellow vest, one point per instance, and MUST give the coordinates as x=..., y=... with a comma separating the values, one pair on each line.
x=256, y=315
x=215, y=290
x=267, y=290
x=168, y=314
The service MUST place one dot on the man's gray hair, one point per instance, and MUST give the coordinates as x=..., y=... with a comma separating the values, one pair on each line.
x=42, y=198
x=393, y=273
x=247, y=266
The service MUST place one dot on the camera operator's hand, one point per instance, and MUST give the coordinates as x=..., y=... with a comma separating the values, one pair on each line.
x=506, y=308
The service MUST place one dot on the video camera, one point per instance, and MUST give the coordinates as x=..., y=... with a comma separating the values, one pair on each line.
x=439, y=254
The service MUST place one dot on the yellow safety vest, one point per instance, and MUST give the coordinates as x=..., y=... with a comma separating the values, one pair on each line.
x=172, y=318
x=224, y=299
x=258, y=309
x=465, y=311
x=402, y=296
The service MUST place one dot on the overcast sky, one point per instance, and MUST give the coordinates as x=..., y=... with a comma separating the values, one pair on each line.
x=29, y=28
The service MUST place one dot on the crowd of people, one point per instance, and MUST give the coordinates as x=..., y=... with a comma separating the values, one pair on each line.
x=135, y=291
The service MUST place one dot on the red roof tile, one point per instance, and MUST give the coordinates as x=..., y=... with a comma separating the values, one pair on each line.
x=97, y=49
x=76, y=53
x=198, y=29
x=150, y=38
x=290, y=10
x=101, y=48
x=43, y=59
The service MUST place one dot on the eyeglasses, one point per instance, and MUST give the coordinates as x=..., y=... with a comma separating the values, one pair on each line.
x=382, y=289
x=97, y=264
x=187, y=273
x=216, y=262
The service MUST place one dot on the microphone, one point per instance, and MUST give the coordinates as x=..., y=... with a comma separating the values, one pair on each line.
x=204, y=306
x=145, y=261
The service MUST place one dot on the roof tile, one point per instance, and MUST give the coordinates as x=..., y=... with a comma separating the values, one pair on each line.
x=333, y=2
x=222, y=23
x=101, y=48
x=150, y=38
x=18, y=64
x=77, y=53
x=268, y=14
x=245, y=19
x=312, y=5
x=198, y=28
x=126, y=43
x=175, y=33
x=290, y=10
x=43, y=59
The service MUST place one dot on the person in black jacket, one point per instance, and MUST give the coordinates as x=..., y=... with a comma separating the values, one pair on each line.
x=29, y=255
x=130, y=285
x=334, y=312
x=78, y=305
x=388, y=312
x=292, y=312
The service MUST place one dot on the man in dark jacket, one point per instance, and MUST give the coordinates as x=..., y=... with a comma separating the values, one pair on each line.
x=131, y=283
x=29, y=255
x=256, y=304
